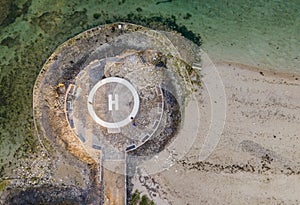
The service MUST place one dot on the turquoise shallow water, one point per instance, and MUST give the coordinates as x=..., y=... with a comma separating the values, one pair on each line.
x=261, y=33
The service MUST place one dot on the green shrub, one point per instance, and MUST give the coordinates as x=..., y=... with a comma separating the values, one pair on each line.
x=138, y=200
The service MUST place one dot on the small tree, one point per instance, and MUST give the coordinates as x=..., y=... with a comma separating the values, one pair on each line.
x=144, y=200
x=135, y=197
x=138, y=200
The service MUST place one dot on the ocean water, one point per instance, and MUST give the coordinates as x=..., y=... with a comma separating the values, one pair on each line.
x=260, y=33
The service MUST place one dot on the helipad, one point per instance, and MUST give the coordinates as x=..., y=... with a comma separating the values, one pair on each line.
x=113, y=113
x=115, y=100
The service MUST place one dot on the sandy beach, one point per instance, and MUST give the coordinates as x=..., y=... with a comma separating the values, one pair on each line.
x=256, y=160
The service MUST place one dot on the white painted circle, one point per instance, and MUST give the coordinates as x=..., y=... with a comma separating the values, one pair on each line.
x=128, y=119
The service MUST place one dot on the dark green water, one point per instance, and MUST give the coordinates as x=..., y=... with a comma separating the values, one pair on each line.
x=262, y=33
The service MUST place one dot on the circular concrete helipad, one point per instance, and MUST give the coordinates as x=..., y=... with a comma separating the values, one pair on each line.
x=113, y=102
x=118, y=95
x=116, y=103
x=117, y=89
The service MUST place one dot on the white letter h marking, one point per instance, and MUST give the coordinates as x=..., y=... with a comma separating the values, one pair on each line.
x=112, y=102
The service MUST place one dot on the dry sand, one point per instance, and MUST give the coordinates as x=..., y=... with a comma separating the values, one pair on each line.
x=256, y=160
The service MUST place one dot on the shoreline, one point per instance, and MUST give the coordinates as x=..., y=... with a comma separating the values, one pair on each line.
x=266, y=71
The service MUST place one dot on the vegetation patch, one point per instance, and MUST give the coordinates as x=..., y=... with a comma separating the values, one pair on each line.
x=3, y=185
x=137, y=199
x=159, y=23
